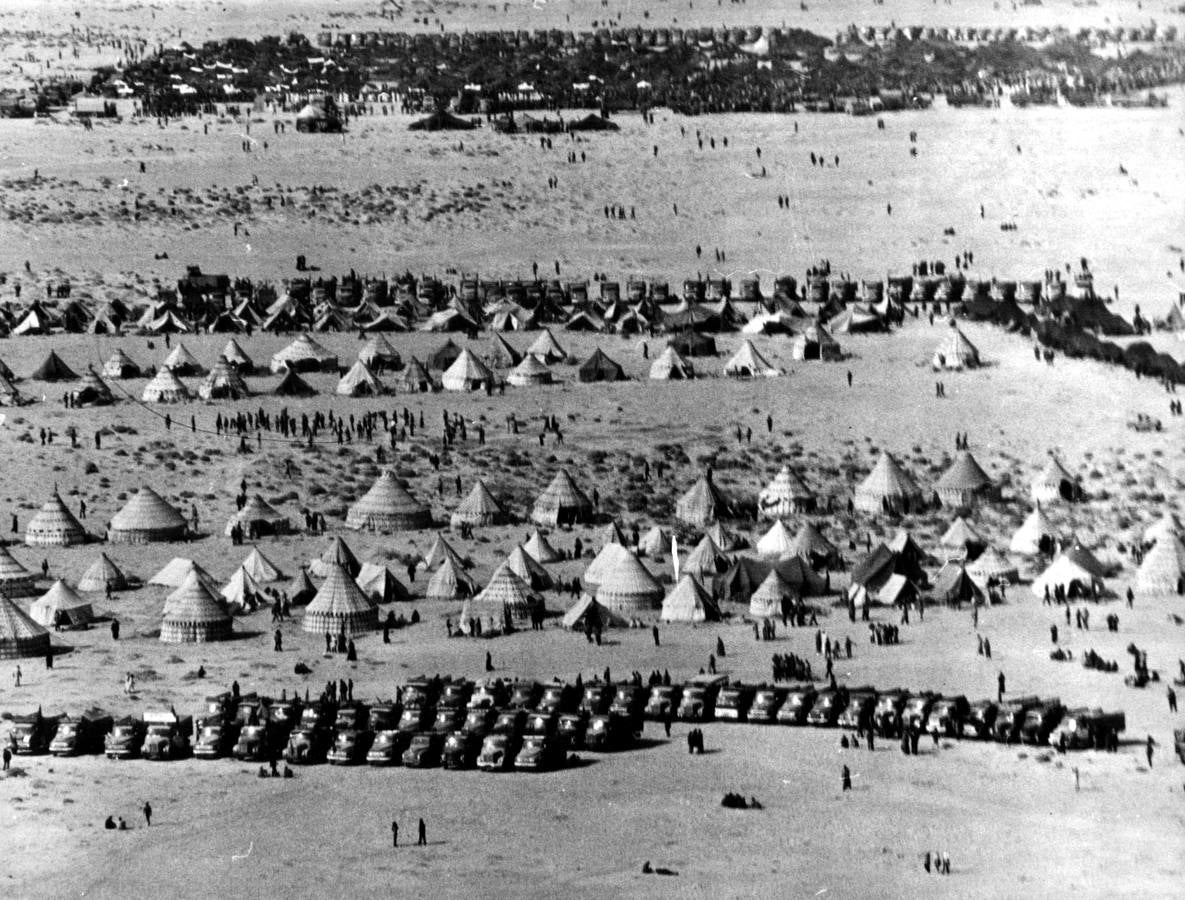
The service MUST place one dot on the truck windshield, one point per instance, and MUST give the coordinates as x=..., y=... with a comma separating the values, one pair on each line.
x=160, y=730
x=67, y=730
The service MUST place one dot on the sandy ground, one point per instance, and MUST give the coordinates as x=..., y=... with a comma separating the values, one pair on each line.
x=1010, y=819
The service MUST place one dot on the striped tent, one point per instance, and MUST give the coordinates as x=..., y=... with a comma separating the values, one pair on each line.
x=562, y=502
x=506, y=601
x=388, y=506
x=337, y=553
x=261, y=568
x=785, y=495
x=194, y=614
x=225, y=382
x=450, y=582
x=101, y=574
x=888, y=488
x=547, y=348
x=964, y=483
x=340, y=606
x=992, y=566
x=528, y=372
x=20, y=636
x=360, y=381
x=703, y=503
x=258, y=517
x=478, y=508
x=525, y=567
x=54, y=525
x=767, y=601
x=540, y=548
x=15, y=579
x=628, y=587
x=689, y=602
x=777, y=542
x=165, y=387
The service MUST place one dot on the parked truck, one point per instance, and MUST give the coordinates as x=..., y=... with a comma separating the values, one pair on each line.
x=1088, y=728
x=31, y=734
x=167, y=735
x=698, y=703
x=127, y=734
x=78, y=735
x=1011, y=716
x=1040, y=721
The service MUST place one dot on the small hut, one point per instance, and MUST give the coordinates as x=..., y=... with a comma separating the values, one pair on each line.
x=562, y=503
x=54, y=525
x=388, y=506
x=103, y=575
x=478, y=509
x=146, y=517
x=785, y=495
x=194, y=614
x=340, y=606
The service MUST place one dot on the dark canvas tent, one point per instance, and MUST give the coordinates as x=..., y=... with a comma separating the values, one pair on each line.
x=292, y=385
x=593, y=122
x=600, y=367
x=53, y=369
x=444, y=357
x=441, y=120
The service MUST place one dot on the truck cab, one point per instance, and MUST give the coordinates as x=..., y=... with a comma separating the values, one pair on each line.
x=218, y=706
x=84, y=734
x=766, y=703
x=609, y=733
x=542, y=723
x=1010, y=717
x=733, y=702
x=419, y=692
x=424, y=750
x=387, y=746
x=947, y=716
x=460, y=751
x=917, y=708
x=857, y=715
x=216, y=737
x=351, y=740
x=127, y=734
x=478, y=722
x=1087, y=728
x=557, y=698
x=31, y=735
x=887, y=715
x=698, y=703
x=1040, y=721
x=510, y=722
x=597, y=697
x=415, y=719
x=524, y=695
x=539, y=753
x=497, y=753
x=629, y=700
x=167, y=736
x=261, y=742
x=309, y=741
x=827, y=707
x=797, y=706
x=662, y=702
x=489, y=694
x=454, y=694
x=572, y=728
x=981, y=720
x=284, y=714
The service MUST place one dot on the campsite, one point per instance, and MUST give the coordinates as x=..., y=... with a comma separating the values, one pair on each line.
x=847, y=419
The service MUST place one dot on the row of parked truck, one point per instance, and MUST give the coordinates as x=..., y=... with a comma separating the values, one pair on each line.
x=492, y=724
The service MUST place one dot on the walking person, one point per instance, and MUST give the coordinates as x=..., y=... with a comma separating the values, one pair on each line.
x=394, y=834
x=422, y=841
x=148, y=812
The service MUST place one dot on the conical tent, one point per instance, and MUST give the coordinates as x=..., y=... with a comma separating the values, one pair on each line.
x=961, y=536
x=777, y=542
x=9, y=395
x=237, y=357
x=689, y=602
x=705, y=560
x=292, y=385
x=177, y=570
x=506, y=600
x=670, y=366
x=596, y=615
x=611, y=533
x=93, y=391
x=165, y=387
x=502, y=354
x=444, y=357
x=304, y=355
x=954, y=586
x=414, y=379
x=15, y=579
x=337, y=553
x=146, y=517
x=242, y=591
x=1064, y=572
x=388, y=506
x=340, y=606
x=120, y=365
x=54, y=525
x=725, y=539
x=194, y=614
x=1166, y=526
x=1035, y=535
x=261, y=568
x=629, y=588
x=703, y=503
x=303, y=590
x=562, y=503
x=785, y=495
x=815, y=343
x=478, y=508
x=525, y=567
x=53, y=369
x=258, y=518
x=600, y=367
x=888, y=488
x=528, y=372
x=810, y=545
x=992, y=566
x=467, y=373
x=378, y=354
x=964, y=482
x=61, y=605
x=224, y=382
x=609, y=557
x=360, y=382
x=547, y=348
x=1054, y=483
x=956, y=352
x=101, y=574
x=748, y=362
x=540, y=548
x=441, y=550
x=377, y=583
x=1163, y=568
x=654, y=543
x=182, y=362
x=767, y=602
x=450, y=582
x=20, y=636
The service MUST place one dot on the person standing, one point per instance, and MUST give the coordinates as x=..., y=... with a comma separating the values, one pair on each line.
x=1148, y=750
x=1000, y=687
x=394, y=834
x=654, y=631
x=148, y=812
x=1172, y=695
x=422, y=841
x=847, y=778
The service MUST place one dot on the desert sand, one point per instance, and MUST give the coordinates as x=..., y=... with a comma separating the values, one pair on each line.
x=1009, y=817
